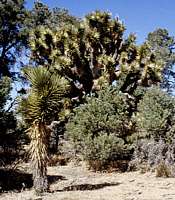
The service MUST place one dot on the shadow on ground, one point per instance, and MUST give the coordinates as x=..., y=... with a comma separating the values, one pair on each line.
x=18, y=180
x=83, y=187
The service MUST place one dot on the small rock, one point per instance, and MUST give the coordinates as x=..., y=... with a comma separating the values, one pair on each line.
x=132, y=180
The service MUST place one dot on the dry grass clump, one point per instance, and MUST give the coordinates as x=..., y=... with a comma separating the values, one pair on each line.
x=163, y=170
x=111, y=166
x=57, y=160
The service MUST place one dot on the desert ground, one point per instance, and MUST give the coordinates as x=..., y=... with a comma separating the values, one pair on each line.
x=77, y=183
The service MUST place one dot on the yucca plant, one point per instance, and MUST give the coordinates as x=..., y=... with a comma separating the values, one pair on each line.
x=39, y=108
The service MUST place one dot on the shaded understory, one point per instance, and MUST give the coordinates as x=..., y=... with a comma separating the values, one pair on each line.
x=18, y=180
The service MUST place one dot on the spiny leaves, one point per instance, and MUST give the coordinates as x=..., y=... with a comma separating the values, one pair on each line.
x=143, y=70
x=84, y=51
x=95, y=54
x=46, y=93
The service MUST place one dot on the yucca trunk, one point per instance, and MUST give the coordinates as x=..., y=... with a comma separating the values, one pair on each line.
x=39, y=157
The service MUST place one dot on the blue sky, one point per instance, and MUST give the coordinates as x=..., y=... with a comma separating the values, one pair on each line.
x=139, y=16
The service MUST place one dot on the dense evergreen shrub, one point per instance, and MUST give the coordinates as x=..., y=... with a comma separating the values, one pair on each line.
x=99, y=129
x=155, y=117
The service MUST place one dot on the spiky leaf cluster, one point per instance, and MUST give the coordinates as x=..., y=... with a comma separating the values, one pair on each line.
x=83, y=52
x=94, y=53
x=143, y=70
x=45, y=96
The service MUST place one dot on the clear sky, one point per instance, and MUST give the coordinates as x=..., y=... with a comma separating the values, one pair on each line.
x=139, y=16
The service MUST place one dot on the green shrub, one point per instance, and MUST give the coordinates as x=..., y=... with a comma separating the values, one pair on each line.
x=99, y=129
x=156, y=115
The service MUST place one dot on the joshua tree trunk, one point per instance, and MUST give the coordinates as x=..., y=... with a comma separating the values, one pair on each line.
x=40, y=182
x=38, y=150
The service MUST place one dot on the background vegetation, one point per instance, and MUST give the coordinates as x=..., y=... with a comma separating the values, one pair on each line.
x=88, y=92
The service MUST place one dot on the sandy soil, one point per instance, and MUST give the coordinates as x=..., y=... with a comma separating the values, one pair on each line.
x=77, y=183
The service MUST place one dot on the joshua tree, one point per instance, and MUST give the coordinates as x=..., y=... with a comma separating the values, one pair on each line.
x=94, y=54
x=39, y=108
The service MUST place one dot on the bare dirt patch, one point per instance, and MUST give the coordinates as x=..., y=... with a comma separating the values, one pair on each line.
x=77, y=183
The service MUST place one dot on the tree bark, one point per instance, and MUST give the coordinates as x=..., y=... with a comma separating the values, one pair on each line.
x=40, y=182
x=39, y=156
